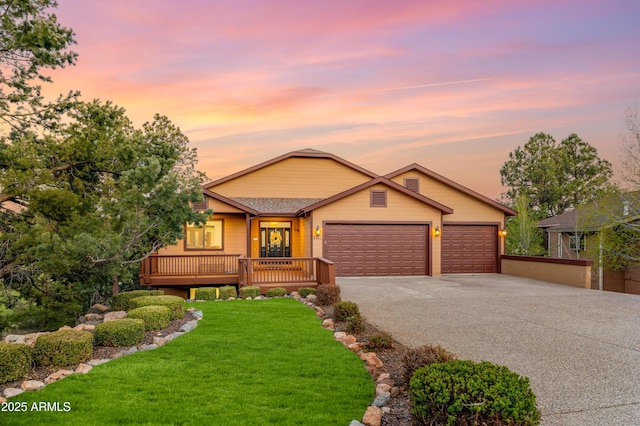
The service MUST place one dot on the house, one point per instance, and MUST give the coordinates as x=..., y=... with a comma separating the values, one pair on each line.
x=300, y=218
x=576, y=235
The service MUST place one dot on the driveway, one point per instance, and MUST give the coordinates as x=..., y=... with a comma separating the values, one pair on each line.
x=580, y=348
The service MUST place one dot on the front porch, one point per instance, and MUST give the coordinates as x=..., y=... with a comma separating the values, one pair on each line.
x=202, y=270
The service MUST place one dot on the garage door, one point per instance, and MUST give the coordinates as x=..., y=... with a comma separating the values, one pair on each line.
x=469, y=249
x=380, y=249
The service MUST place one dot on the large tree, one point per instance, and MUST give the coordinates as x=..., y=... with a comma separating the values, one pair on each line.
x=555, y=177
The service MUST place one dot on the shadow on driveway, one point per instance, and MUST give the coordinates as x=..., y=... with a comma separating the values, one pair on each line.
x=580, y=348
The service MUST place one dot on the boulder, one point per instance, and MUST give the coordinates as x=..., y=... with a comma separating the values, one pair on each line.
x=148, y=347
x=15, y=338
x=372, y=417
x=328, y=324
x=355, y=423
x=312, y=298
x=382, y=388
x=11, y=392
x=60, y=374
x=64, y=327
x=94, y=362
x=319, y=312
x=371, y=359
x=32, y=385
x=93, y=317
x=349, y=340
x=381, y=400
x=160, y=341
x=83, y=368
x=84, y=327
x=98, y=308
x=339, y=335
x=110, y=316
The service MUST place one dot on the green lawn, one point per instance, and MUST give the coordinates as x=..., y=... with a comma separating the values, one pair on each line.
x=247, y=363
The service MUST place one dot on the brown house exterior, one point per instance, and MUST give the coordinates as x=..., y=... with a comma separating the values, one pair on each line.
x=312, y=205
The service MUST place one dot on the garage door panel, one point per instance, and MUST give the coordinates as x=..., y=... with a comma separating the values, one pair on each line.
x=377, y=249
x=469, y=248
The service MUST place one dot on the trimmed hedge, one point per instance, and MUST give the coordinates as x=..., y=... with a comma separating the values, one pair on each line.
x=15, y=361
x=155, y=317
x=343, y=310
x=119, y=332
x=227, y=292
x=277, y=292
x=327, y=294
x=465, y=392
x=175, y=303
x=206, y=293
x=64, y=347
x=122, y=301
x=251, y=291
x=305, y=291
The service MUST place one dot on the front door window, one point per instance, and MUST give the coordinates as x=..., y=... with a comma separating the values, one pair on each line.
x=275, y=239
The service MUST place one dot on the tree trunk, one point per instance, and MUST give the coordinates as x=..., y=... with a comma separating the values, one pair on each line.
x=115, y=288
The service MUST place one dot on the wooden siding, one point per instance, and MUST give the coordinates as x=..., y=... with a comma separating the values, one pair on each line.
x=294, y=178
x=235, y=238
x=400, y=208
x=220, y=207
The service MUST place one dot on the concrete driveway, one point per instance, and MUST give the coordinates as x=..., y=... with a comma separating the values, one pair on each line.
x=580, y=348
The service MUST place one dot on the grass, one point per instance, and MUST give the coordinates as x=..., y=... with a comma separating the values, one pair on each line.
x=247, y=363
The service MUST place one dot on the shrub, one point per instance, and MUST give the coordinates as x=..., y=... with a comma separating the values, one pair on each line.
x=305, y=291
x=465, y=392
x=344, y=310
x=122, y=301
x=64, y=347
x=251, y=291
x=15, y=361
x=277, y=292
x=415, y=358
x=327, y=294
x=206, y=293
x=154, y=317
x=175, y=303
x=380, y=341
x=227, y=292
x=354, y=324
x=119, y=332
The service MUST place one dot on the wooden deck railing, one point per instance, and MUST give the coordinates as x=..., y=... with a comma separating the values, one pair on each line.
x=211, y=269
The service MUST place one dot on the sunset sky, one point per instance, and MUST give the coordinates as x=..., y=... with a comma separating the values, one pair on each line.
x=452, y=85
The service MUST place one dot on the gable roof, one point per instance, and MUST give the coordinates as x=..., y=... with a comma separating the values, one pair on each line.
x=448, y=182
x=276, y=206
x=379, y=180
x=304, y=153
x=230, y=202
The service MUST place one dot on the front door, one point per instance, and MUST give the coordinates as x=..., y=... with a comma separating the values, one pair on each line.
x=275, y=239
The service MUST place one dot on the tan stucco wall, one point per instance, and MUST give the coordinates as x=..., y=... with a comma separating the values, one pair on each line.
x=400, y=208
x=234, y=238
x=294, y=178
x=568, y=274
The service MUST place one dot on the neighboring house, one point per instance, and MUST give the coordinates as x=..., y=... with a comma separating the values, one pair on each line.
x=298, y=217
x=575, y=235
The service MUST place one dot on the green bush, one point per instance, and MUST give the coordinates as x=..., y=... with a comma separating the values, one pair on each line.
x=206, y=293
x=122, y=301
x=469, y=393
x=380, y=341
x=154, y=317
x=344, y=310
x=64, y=347
x=15, y=361
x=354, y=324
x=227, y=292
x=327, y=294
x=119, y=332
x=277, y=292
x=251, y=291
x=175, y=303
x=305, y=291
x=415, y=358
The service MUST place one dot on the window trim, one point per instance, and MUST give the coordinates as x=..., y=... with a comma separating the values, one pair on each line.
x=378, y=198
x=582, y=238
x=187, y=248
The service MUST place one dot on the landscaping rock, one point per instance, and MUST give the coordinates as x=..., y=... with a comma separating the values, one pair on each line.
x=148, y=347
x=32, y=385
x=319, y=312
x=371, y=359
x=187, y=327
x=65, y=327
x=355, y=423
x=110, y=316
x=395, y=391
x=60, y=374
x=131, y=350
x=372, y=417
x=355, y=347
x=15, y=338
x=198, y=314
x=11, y=392
x=94, y=362
x=98, y=308
x=3, y=399
x=83, y=368
x=339, y=335
x=295, y=294
x=349, y=340
x=30, y=339
x=93, y=317
x=312, y=298
x=386, y=410
x=328, y=324
x=160, y=341
x=381, y=400
x=382, y=388
x=84, y=327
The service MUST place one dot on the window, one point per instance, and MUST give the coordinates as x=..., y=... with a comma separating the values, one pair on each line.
x=577, y=242
x=412, y=184
x=205, y=237
x=378, y=198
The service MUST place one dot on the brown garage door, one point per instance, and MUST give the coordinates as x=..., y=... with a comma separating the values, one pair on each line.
x=469, y=249
x=380, y=249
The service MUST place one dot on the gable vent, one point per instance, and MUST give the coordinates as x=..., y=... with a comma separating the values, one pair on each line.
x=412, y=184
x=199, y=207
x=378, y=198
